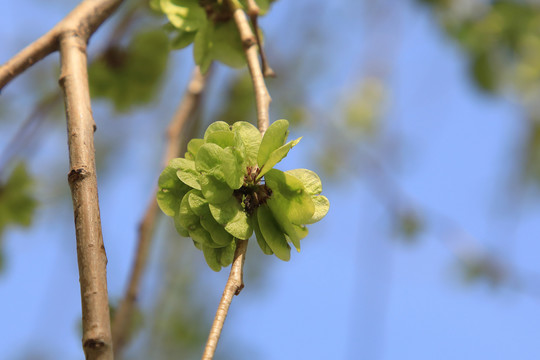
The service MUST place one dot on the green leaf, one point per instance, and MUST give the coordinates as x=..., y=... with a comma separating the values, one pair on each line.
x=240, y=227
x=189, y=220
x=239, y=153
x=155, y=5
x=322, y=205
x=223, y=138
x=294, y=232
x=212, y=255
x=193, y=146
x=197, y=245
x=226, y=44
x=251, y=138
x=216, y=126
x=276, y=156
x=312, y=182
x=214, y=190
x=203, y=237
x=227, y=254
x=187, y=172
x=185, y=15
x=273, y=138
x=182, y=39
x=202, y=48
x=186, y=217
x=260, y=238
x=17, y=203
x=221, y=163
x=272, y=234
x=212, y=159
x=232, y=216
x=297, y=233
x=170, y=189
x=197, y=202
x=236, y=172
x=225, y=211
x=290, y=197
x=130, y=76
x=179, y=228
x=218, y=233
x=218, y=41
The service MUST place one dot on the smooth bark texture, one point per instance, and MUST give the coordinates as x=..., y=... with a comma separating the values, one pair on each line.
x=249, y=42
x=253, y=12
x=124, y=314
x=27, y=57
x=92, y=260
x=234, y=285
x=235, y=282
x=70, y=36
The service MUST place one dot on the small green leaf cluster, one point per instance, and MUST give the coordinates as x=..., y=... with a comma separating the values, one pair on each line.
x=130, y=76
x=208, y=25
x=225, y=188
x=17, y=204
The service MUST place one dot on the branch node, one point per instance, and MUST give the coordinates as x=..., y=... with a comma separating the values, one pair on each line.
x=239, y=289
x=248, y=42
x=77, y=175
x=62, y=80
x=253, y=8
x=94, y=344
x=269, y=72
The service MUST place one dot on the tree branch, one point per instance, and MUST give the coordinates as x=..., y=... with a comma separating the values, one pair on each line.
x=235, y=282
x=262, y=97
x=70, y=36
x=187, y=107
x=28, y=56
x=92, y=260
x=234, y=285
x=253, y=11
x=83, y=20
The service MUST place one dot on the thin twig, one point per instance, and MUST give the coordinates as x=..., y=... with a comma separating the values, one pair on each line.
x=253, y=12
x=28, y=128
x=234, y=285
x=27, y=57
x=235, y=282
x=185, y=111
x=262, y=97
x=83, y=20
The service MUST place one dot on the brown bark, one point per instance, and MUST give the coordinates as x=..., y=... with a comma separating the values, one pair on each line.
x=249, y=42
x=92, y=260
x=234, y=285
x=70, y=37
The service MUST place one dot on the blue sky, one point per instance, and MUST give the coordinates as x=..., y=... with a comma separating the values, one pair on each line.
x=354, y=292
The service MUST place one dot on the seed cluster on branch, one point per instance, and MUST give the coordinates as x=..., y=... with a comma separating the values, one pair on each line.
x=225, y=188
